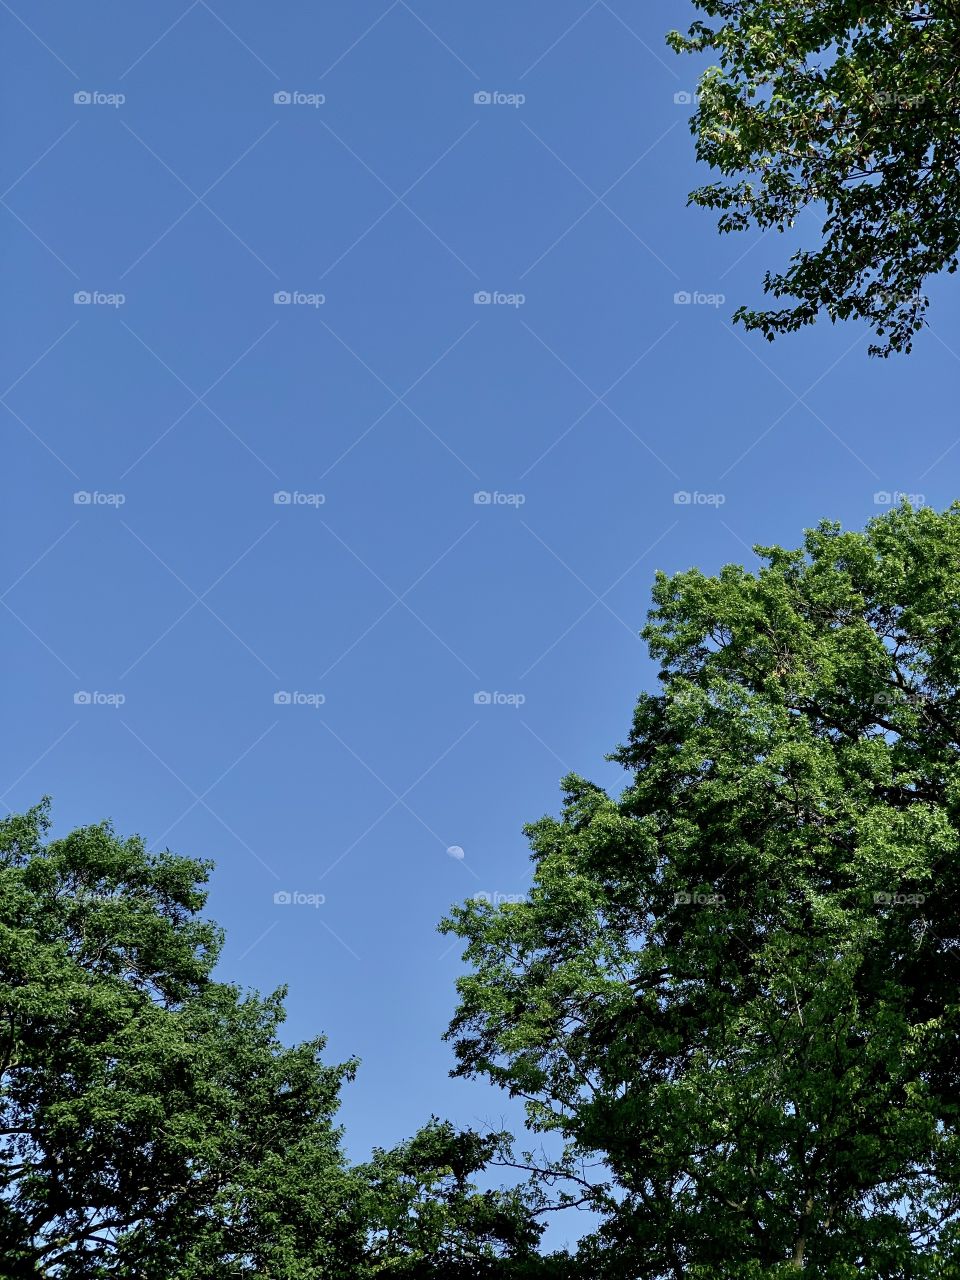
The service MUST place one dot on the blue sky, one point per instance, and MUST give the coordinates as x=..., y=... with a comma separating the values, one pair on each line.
x=383, y=398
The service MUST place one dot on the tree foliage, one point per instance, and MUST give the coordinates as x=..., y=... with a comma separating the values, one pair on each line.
x=737, y=983
x=731, y=999
x=427, y=1219
x=849, y=106
x=152, y=1122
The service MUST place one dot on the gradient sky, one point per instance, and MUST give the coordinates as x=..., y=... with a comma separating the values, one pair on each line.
x=583, y=400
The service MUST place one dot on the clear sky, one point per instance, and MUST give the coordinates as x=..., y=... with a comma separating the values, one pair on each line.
x=183, y=397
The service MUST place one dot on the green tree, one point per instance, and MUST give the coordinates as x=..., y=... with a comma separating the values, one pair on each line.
x=849, y=106
x=736, y=985
x=427, y=1218
x=154, y=1127
x=152, y=1123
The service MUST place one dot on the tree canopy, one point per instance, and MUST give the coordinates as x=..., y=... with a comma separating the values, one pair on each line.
x=730, y=1001
x=152, y=1122
x=735, y=987
x=851, y=107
